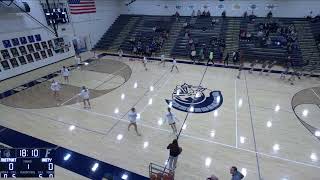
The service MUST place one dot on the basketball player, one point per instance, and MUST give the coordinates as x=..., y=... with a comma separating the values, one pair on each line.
x=171, y=118
x=193, y=56
x=253, y=63
x=162, y=60
x=132, y=116
x=174, y=65
x=78, y=61
x=85, y=95
x=120, y=53
x=210, y=57
x=95, y=55
x=145, y=61
x=65, y=73
x=55, y=87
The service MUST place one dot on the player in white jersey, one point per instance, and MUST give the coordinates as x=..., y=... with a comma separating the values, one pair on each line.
x=78, y=61
x=65, y=73
x=85, y=95
x=120, y=53
x=145, y=61
x=55, y=87
x=174, y=65
x=171, y=118
x=162, y=60
x=132, y=116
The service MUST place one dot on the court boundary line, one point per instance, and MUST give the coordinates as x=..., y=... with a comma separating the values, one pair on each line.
x=164, y=130
x=236, y=109
x=144, y=94
x=252, y=127
x=95, y=87
x=315, y=93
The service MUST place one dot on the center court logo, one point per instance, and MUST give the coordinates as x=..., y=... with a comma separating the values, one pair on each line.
x=195, y=99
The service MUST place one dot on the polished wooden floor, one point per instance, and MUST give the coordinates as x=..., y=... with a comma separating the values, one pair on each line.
x=255, y=129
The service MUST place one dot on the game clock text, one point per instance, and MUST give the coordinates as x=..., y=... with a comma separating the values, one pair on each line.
x=27, y=162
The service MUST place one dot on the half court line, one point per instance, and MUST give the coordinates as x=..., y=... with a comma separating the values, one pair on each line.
x=164, y=130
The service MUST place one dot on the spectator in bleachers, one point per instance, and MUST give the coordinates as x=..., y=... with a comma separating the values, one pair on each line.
x=203, y=14
x=252, y=17
x=190, y=41
x=148, y=51
x=185, y=24
x=204, y=29
x=223, y=14
x=269, y=41
x=193, y=13
x=260, y=33
x=167, y=34
x=177, y=15
x=186, y=34
x=214, y=21
x=208, y=14
x=199, y=13
x=236, y=175
x=134, y=50
x=248, y=36
x=316, y=19
x=269, y=15
x=245, y=15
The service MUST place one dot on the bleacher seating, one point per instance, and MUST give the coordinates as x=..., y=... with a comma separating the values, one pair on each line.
x=112, y=32
x=315, y=27
x=253, y=50
x=144, y=31
x=200, y=36
x=202, y=32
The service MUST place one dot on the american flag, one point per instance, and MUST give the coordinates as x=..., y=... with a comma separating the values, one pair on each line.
x=82, y=6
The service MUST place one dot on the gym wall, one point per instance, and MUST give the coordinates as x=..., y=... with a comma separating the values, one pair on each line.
x=19, y=25
x=282, y=8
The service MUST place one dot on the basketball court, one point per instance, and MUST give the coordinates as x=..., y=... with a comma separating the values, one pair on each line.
x=253, y=127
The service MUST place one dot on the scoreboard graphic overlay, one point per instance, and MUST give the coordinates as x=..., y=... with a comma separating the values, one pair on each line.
x=27, y=162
